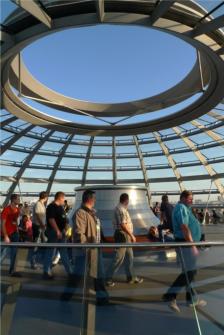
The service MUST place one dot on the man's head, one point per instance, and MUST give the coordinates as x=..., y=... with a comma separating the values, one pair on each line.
x=124, y=199
x=153, y=231
x=186, y=197
x=89, y=198
x=65, y=202
x=43, y=196
x=59, y=198
x=14, y=199
x=165, y=198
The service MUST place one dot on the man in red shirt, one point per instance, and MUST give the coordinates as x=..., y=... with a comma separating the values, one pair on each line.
x=9, y=229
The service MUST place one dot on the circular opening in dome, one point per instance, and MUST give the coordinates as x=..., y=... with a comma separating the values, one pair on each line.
x=109, y=63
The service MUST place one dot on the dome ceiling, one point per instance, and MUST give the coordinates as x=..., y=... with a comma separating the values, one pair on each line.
x=178, y=150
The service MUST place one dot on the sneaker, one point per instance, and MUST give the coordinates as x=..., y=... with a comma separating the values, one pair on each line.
x=110, y=283
x=173, y=305
x=48, y=276
x=15, y=274
x=56, y=260
x=197, y=303
x=136, y=280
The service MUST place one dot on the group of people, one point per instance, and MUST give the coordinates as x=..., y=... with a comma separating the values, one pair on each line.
x=50, y=223
x=204, y=216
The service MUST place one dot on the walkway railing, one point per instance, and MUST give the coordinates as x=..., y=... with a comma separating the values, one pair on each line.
x=70, y=304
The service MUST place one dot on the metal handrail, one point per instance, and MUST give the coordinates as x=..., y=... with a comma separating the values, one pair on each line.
x=112, y=245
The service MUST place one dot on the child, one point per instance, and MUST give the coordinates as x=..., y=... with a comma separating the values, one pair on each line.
x=25, y=229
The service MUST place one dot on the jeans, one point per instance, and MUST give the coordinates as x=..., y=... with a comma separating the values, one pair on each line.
x=122, y=256
x=49, y=252
x=188, y=262
x=13, y=251
x=35, y=251
x=94, y=269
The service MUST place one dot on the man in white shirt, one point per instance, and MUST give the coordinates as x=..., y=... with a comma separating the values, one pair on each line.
x=39, y=224
x=123, y=233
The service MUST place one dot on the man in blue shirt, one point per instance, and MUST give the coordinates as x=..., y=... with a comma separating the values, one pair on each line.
x=186, y=228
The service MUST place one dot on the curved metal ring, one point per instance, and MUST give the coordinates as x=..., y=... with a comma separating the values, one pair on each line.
x=211, y=97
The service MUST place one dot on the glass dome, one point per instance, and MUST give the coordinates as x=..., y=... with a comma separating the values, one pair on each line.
x=43, y=145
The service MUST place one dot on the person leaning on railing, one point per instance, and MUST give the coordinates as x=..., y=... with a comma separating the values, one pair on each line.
x=9, y=230
x=186, y=228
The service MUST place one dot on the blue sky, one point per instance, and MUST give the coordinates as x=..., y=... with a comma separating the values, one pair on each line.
x=106, y=63
x=109, y=63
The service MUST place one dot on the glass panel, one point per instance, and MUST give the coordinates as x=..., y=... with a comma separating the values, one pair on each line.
x=107, y=295
x=210, y=5
x=209, y=285
x=7, y=7
x=140, y=305
x=34, y=304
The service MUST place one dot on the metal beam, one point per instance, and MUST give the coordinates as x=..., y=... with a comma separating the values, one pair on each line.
x=210, y=133
x=160, y=10
x=109, y=169
x=171, y=161
x=109, y=181
x=216, y=115
x=15, y=138
x=129, y=15
x=7, y=121
x=144, y=170
x=212, y=173
x=211, y=11
x=57, y=163
x=114, y=160
x=32, y=7
x=100, y=9
x=6, y=114
x=148, y=140
x=207, y=27
x=87, y=161
x=24, y=166
x=4, y=36
x=154, y=193
x=220, y=51
x=203, y=146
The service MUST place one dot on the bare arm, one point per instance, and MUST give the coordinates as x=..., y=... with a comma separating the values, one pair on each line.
x=122, y=219
x=42, y=225
x=6, y=238
x=188, y=237
x=53, y=224
x=124, y=227
x=187, y=233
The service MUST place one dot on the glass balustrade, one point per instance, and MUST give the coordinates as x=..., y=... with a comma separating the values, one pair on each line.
x=72, y=304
